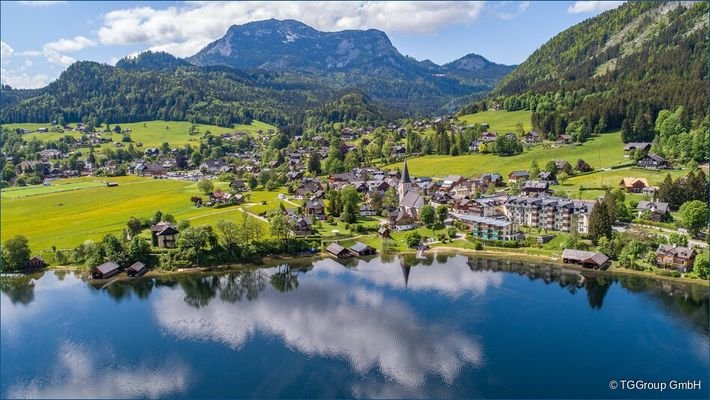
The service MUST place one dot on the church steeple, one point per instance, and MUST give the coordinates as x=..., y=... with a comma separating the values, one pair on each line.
x=405, y=173
x=405, y=184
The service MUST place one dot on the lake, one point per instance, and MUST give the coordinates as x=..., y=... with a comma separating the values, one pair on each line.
x=391, y=326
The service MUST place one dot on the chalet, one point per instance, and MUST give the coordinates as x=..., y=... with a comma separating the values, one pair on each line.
x=487, y=137
x=563, y=165
x=658, y=211
x=384, y=232
x=212, y=166
x=152, y=152
x=653, y=161
x=149, y=169
x=105, y=270
x=366, y=210
x=337, y=251
x=165, y=235
x=43, y=130
x=532, y=137
x=633, y=184
x=536, y=188
x=344, y=177
x=466, y=206
x=238, y=185
x=546, y=176
x=399, y=151
x=137, y=269
x=441, y=199
x=586, y=259
x=649, y=191
x=315, y=208
x=47, y=154
x=518, y=176
x=302, y=225
x=494, y=178
x=672, y=256
x=402, y=221
x=643, y=147
x=361, y=249
x=564, y=139
x=36, y=262
x=451, y=182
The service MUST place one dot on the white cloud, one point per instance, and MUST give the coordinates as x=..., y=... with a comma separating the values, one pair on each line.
x=508, y=15
x=5, y=51
x=78, y=373
x=592, y=6
x=53, y=51
x=22, y=80
x=184, y=30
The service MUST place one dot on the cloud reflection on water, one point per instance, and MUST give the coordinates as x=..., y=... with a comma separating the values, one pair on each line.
x=326, y=317
x=82, y=372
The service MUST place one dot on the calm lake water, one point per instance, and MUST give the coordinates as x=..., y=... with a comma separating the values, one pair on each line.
x=444, y=327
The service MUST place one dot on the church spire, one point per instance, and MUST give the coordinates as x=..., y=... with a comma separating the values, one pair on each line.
x=405, y=173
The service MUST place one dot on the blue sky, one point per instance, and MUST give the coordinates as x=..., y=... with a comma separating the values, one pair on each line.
x=40, y=39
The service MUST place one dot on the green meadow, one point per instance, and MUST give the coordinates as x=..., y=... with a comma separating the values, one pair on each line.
x=66, y=214
x=153, y=133
x=603, y=151
x=593, y=184
x=500, y=121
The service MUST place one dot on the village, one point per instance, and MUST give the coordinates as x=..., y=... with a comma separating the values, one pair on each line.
x=507, y=211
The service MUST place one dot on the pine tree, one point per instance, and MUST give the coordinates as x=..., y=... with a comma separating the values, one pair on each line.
x=599, y=222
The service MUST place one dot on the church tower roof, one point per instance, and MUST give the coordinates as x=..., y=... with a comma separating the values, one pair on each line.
x=405, y=173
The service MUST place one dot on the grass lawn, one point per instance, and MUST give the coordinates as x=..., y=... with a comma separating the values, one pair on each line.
x=602, y=151
x=594, y=182
x=90, y=210
x=500, y=121
x=153, y=133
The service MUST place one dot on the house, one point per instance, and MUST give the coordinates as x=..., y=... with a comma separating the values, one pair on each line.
x=149, y=169
x=518, y=176
x=451, y=182
x=384, y=232
x=213, y=166
x=36, y=262
x=633, y=184
x=105, y=270
x=488, y=228
x=672, y=256
x=361, y=249
x=337, y=251
x=487, y=137
x=238, y=185
x=564, y=139
x=547, y=177
x=302, y=225
x=402, y=221
x=653, y=161
x=152, y=152
x=649, y=191
x=563, y=165
x=315, y=208
x=494, y=178
x=643, y=147
x=164, y=235
x=658, y=211
x=50, y=153
x=536, y=188
x=532, y=137
x=366, y=210
x=586, y=259
x=137, y=269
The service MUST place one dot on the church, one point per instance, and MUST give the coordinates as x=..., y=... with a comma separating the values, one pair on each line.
x=410, y=203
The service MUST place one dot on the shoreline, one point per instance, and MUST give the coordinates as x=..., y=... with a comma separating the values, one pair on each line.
x=273, y=261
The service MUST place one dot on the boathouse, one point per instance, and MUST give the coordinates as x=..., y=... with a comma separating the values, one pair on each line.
x=105, y=270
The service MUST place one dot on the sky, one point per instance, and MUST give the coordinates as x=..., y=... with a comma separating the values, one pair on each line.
x=40, y=39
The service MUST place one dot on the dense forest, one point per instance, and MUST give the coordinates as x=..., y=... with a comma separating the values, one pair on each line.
x=614, y=71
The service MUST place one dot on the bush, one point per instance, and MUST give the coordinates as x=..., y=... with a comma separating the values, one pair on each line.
x=478, y=245
x=413, y=239
x=668, y=272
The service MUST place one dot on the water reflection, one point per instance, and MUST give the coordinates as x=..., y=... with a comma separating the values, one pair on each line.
x=83, y=372
x=326, y=317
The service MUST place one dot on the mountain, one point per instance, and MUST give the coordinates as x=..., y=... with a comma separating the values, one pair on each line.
x=625, y=64
x=152, y=61
x=365, y=59
x=222, y=96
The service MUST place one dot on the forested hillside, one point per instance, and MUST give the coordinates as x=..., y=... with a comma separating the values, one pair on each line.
x=615, y=71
